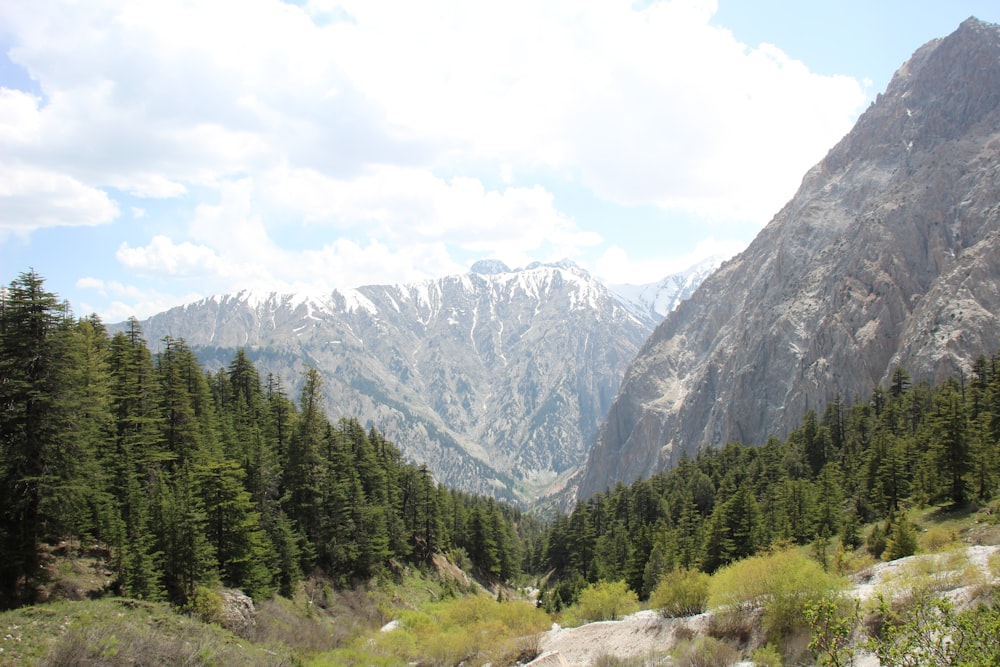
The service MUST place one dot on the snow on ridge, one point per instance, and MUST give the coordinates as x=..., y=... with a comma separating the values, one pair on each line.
x=355, y=301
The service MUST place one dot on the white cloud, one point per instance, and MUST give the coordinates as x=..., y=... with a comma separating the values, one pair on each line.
x=651, y=106
x=177, y=260
x=31, y=198
x=355, y=124
x=408, y=205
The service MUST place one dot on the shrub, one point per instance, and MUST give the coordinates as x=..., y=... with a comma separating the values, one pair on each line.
x=833, y=621
x=206, y=605
x=782, y=583
x=876, y=541
x=607, y=601
x=681, y=593
x=933, y=633
x=474, y=630
x=766, y=656
x=938, y=538
x=920, y=578
x=704, y=652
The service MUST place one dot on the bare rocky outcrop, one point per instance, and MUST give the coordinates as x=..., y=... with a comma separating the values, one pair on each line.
x=886, y=257
x=238, y=615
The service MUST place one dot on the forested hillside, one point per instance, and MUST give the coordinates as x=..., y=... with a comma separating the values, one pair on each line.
x=909, y=445
x=188, y=478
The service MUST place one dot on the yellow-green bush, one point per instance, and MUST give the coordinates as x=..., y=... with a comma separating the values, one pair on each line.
x=782, y=583
x=681, y=592
x=704, y=652
x=606, y=601
x=938, y=538
x=474, y=630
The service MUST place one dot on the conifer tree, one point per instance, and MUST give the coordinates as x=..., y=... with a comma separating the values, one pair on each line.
x=306, y=468
x=232, y=527
x=39, y=458
x=135, y=449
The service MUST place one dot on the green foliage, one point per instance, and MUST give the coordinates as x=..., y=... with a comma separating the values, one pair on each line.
x=606, y=601
x=206, y=605
x=832, y=621
x=681, y=592
x=934, y=633
x=908, y=445
x=766, y=656
x=124, y=632
x=784, y=583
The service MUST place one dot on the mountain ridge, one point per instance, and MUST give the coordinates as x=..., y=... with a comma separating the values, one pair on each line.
x=857, y=274
x=497, y=378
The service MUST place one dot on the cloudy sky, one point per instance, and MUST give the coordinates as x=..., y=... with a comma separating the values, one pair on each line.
x=152, y=153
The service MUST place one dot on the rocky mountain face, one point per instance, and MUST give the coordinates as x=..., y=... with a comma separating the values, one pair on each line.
x=888, y=255
x=653, y=301
x=497, y=379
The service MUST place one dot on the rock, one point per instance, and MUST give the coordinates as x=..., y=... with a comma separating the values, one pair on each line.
x=549, y=659
x=238, y=613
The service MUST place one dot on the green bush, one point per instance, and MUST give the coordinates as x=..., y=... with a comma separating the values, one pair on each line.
x=681, y=593
x=606, y=601
x=783, y=584
x=206, y=605
x=934, y=633
x=766, y=656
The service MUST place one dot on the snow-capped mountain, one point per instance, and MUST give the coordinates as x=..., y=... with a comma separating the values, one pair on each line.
x=498, y=379
x=653, y=301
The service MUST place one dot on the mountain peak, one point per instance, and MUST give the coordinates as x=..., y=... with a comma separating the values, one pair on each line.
x=489, y=267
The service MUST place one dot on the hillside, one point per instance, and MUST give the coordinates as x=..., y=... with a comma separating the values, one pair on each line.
x=885, y=257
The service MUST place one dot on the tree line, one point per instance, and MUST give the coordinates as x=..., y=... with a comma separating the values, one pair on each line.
x=190, y=478
x=908, y=445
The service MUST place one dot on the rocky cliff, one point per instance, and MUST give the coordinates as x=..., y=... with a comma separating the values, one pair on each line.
x=497, y=379
x=888, y=255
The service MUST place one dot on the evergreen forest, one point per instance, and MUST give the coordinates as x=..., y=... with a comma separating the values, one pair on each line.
x=909, y=445
x=190, y=478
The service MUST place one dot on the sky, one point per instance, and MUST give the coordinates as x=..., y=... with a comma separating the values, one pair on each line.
x=154, y=153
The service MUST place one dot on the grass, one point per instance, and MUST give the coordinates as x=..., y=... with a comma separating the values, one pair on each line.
x=116, y=631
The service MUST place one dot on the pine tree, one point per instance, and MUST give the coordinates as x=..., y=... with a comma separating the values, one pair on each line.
x=134, y=451
x=233, y=527
x=306, y=468
x=187, y=558
x=39, y=458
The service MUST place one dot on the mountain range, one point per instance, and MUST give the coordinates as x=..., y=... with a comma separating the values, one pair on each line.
x=887, y=256
x=497, y=379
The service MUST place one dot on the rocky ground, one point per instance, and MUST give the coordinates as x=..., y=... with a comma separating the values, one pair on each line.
x=645, y=636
